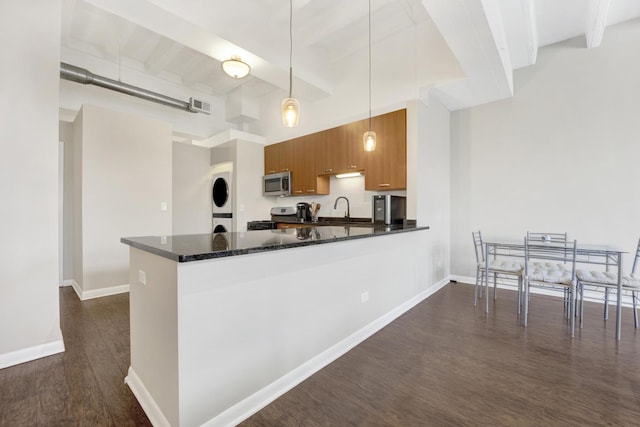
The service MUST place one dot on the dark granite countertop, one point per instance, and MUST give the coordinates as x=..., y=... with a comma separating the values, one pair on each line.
x=195, y=247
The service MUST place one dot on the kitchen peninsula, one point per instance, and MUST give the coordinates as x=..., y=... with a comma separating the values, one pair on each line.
x=223, y=323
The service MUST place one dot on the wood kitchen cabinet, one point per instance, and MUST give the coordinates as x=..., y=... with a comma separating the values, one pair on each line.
x=311, y=159
x=304, y=175
x=386, y=167
x=279, y=157
x=340, y=149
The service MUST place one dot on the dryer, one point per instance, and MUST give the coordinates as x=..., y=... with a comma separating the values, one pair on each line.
x=222, y=202
x=221, y=193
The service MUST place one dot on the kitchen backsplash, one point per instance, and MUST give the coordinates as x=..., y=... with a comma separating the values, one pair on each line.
x=360, y=201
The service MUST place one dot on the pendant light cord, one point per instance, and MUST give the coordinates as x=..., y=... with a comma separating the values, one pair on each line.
x=290, y=47
x=369, y=64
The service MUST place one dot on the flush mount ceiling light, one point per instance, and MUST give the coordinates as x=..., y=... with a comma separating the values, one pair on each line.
x=235, y=67
x=369, y=137
x=290, y=106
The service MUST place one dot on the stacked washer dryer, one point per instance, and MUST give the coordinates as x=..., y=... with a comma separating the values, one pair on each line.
x=222, y=206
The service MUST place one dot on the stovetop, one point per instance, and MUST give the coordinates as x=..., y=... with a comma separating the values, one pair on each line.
x=266, y=224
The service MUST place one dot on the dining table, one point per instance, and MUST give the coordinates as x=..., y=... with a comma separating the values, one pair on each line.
x=593, y=254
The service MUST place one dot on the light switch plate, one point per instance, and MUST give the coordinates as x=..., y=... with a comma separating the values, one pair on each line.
x=142, y=277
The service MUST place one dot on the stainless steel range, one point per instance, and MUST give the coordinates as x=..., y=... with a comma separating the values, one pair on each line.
x=279, y=214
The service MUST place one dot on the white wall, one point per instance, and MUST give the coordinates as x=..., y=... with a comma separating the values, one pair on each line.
x=561, y=155
x=66, y=136
x=125, y=166
x=191, y=189
x=29, y=309
x=429, y=156
x=249, y=204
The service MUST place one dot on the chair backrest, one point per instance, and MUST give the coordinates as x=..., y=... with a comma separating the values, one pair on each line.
x=635, y=260
x=547, y=237
x=555, y=252
x=477, y=245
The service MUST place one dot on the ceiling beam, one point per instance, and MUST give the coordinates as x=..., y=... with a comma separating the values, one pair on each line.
x=164, y=53
x=596, y=21
x=529, y=13
x=158, y=20
x=475, y=33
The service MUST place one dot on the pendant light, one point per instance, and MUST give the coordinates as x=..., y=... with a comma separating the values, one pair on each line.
x=290, y=106
x=369, y=137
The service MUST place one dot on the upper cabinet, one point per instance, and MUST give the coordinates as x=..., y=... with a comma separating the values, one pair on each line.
x=340, y=149
x=278, y=157
x=386, y=167
x=311, y=159
x=304, y=176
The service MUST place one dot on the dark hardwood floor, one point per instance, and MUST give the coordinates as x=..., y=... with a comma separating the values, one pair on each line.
x=445, y=363
x=84, y=386
x=442, y=363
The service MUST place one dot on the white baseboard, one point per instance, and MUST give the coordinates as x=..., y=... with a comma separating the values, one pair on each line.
x=68, y=282
x=32, y=353
x=97, y=293
x=252, y=404
x=145, y=399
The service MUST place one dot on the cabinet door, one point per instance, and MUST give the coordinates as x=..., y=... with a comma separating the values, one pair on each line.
x=278, y=157
x=286, y=155
x=331, y=152
x=304, y=170
x=271, y=159
x=386, y=167
x=355, y=155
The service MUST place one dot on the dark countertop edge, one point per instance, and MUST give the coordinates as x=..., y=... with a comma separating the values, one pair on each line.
x=234, y=252
x=338, y=222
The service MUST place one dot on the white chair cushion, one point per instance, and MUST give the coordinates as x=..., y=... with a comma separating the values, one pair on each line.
x=550, y=272
x=504, y=266
x=608, y=278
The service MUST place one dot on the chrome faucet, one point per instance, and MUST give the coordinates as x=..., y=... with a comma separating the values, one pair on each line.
x=335, y=205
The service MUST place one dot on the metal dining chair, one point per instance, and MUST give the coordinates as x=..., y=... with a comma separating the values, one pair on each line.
x=498, y=266
x=550, y=265
x=609, y=280
x=555, y=239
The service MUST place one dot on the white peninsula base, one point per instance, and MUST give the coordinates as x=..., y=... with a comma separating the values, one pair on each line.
x=213, y=341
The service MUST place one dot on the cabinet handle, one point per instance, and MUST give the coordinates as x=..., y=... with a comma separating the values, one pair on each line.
x=285, y=170
x=272, y=171
x=311, y=191
x=354, y=166
x=384, y=185
x=298, y=191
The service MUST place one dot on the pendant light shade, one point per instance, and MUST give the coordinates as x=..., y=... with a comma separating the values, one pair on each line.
x=290, y=106
x=235, y=67
x=369, y=141
x=369, y=137
x=290, y=112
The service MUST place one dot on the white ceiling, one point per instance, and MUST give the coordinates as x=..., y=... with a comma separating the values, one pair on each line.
x=465, y=50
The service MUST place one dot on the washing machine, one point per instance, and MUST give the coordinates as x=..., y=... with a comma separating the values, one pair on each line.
x=222, y=225
x=222, y=202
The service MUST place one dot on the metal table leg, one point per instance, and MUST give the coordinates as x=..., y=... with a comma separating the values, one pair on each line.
x=619, y=300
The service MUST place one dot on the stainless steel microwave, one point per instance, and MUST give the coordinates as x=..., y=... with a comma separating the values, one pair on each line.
x=277, y=184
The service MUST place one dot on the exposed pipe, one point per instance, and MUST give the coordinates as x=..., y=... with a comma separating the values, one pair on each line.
x=81, y=75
